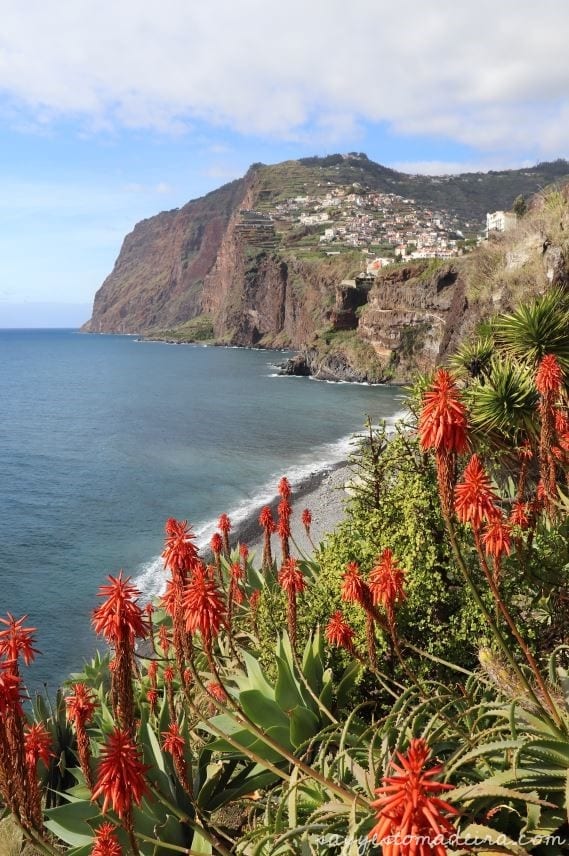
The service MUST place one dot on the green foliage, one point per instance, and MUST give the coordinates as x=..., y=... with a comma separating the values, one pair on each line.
x=397, y=508
x=520, y=205
x=503, y=406
x=199, y=329
x=472, y=357
x=537, y=328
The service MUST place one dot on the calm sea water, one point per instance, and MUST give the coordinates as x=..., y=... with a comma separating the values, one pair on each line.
x=103, y=437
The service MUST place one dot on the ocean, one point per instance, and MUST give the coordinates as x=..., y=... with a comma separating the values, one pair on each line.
x=102, y=438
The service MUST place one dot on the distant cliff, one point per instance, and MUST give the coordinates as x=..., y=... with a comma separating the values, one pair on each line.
x=157, y=280
x=232, y=268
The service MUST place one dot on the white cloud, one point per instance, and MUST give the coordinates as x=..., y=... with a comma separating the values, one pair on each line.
x=436, y=167
x=493, y=76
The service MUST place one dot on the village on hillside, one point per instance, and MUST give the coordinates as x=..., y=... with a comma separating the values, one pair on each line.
x=386, y=227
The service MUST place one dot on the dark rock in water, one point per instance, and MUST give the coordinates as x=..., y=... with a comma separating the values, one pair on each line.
x=333, y=366
x=297, y=366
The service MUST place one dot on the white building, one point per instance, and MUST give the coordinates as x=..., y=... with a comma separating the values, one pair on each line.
x=500, y=221
x=313, y=219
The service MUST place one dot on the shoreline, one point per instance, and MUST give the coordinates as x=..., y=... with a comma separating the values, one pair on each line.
x=322, y=492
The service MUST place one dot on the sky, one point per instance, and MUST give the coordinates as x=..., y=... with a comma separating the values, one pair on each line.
x=111, y=112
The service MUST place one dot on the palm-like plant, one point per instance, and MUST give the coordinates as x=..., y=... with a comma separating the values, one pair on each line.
x=473, y=358
x=505, y=406
x=537, y=328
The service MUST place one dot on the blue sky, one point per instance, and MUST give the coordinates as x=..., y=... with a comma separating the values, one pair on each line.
x=112, y=112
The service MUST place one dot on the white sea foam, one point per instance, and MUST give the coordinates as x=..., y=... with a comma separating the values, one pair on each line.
x=151, y=579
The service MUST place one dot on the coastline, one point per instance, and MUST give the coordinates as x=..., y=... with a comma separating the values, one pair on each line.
x=322, y=492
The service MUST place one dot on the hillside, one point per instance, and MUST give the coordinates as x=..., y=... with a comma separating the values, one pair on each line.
x=296, y=254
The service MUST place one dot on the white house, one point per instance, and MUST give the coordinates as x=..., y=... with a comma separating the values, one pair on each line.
x=500, y=221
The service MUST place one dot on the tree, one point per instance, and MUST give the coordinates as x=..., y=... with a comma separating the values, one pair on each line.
x=520, y=205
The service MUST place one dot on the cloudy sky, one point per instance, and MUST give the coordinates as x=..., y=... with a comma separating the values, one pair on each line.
x=111, y=111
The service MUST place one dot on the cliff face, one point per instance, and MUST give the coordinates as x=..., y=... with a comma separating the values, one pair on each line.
x=234, y=267
x=410, y=315
x=157, y=280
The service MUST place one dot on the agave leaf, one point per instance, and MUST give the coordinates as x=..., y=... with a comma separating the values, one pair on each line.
x=487, y=788
x=85, y=850
x=249, y=741
x=69, y=822
x=347, y=683
x=255, y=678
x=556, y=751
x=288, y=693
x=200, y=844
x=303, y=725
x=263, y=711
x=257, y=779
x=536, y=328
x=486, y=749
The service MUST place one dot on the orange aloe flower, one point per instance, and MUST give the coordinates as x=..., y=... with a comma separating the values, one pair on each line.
x=266, y=518
x=443, y=422
x=173, y=742
x=411, y=816
x=475, y=501
x=267, y=522
x=217, y=691
x=224, y=524
x=80, y=709
x=80, y=705
x=549, y=376
x=548, y=380
x=284, y=488
x=204, y=609
x=291, y=578
x=152, y=671
x=283, y=527
x=164, y=639
x=520, y=515
x=339, y=632
x=292, y=582
x=307, y=520
x=120, y=780
x=386, y=583
x=37, y=743
x=120, y=618
x=284, y=508
x=216, y=543
x=443, y=430
x=180, y=552
x=497, y=539
x=106, y=841
x=10, y=690
x=17, y=640
x=152, y=699
x=354, y=588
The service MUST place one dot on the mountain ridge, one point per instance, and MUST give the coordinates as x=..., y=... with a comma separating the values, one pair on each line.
x=250, y=263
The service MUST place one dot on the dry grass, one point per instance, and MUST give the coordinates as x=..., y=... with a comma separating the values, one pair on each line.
x=491, y=279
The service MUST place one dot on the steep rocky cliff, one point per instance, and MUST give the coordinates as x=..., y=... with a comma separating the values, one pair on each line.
x=231, y=268
x=157, y=280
